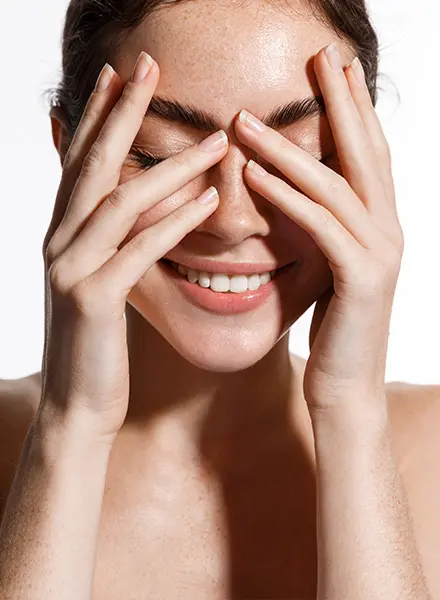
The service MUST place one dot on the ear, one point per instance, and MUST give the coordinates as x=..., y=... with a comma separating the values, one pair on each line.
x=60, y=137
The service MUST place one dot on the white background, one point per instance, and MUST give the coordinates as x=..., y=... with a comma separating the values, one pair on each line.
x=30, y=34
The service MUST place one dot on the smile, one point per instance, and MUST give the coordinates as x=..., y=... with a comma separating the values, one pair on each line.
x=223, y=282
x=220, y=293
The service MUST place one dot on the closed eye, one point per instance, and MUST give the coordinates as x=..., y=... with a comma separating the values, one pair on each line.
x=145, y=159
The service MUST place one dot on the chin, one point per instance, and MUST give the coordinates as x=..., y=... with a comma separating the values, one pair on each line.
x=209, y=340
x=221, y=339
x=222, y=349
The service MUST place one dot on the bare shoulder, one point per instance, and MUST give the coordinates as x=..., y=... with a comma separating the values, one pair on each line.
x=19, y=399
x=414, y=414
x=414, y=417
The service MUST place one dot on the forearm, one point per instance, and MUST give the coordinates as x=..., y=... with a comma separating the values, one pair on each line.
x=366, y=546
x=49, y=530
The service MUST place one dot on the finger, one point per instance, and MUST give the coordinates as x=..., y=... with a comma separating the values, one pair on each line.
x=362, y=99
x=100, y=104
x=101, y=168
x=357, y=158
x=121, y=273
x=96, y=111
x=329, y=234
x=112, y=221
x=320, y=183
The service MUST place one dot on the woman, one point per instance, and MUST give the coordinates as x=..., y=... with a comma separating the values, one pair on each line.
x=178, y=450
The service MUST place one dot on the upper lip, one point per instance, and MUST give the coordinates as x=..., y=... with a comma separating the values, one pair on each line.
x=242, y=268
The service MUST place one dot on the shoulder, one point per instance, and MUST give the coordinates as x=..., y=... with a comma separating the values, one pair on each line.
x=414, y=419
x=19, y=399
x=414, y=415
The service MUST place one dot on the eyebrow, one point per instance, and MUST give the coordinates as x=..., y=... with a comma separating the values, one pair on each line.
x=282, y=116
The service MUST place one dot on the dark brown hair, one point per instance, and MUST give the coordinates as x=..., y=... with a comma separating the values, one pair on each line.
x=94, y=30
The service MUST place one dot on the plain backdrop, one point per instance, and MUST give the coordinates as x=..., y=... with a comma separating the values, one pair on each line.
x=30, y=35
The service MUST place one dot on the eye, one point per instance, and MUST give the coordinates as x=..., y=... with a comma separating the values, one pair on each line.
x=145, y=159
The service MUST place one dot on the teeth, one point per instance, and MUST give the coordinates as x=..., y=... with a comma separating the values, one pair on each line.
x=193, y=276
x=254, y=282
x=204, y=280
x=219, y=282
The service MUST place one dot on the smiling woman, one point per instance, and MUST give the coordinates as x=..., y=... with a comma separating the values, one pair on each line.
x=176, y=448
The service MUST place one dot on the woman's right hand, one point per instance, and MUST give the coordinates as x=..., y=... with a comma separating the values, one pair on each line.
x=85, y=371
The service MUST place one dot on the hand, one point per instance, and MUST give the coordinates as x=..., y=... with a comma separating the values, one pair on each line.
x=353, y=219
x=88, y=278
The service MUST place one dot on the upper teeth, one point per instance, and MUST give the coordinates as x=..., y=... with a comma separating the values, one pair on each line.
x=220, y=282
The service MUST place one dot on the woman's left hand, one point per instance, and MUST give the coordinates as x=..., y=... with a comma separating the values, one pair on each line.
x=353, y=219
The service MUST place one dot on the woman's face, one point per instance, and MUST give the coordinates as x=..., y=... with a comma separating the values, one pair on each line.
x=220, y=58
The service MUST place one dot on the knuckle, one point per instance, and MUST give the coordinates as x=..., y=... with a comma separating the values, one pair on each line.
x=397, y=238
x=181, y=160
x=142, y=243
x=180, y=217
x=58, y=278
x=117, y=199
x=84, y=301
x=336, y=185
x=69, y=160
x=401, y=242
x=392, y=259
x=384, y=150
x=127, y=97
x=80, y=297
x=347, y=97
x=95, y=159
x=324, y=216
x=50, y=252
x=127, y=103
x=281, y=146
x=92, y=114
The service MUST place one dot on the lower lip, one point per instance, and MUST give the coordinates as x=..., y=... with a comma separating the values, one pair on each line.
x=220, y=302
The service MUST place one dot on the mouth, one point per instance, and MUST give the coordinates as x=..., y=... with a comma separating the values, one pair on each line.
x=223, y=282
x=225, y=295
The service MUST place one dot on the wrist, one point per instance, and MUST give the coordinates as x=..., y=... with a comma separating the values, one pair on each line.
x=58, y=432
x=355, y=421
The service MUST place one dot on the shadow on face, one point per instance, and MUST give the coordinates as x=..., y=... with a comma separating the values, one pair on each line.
x=219, y=58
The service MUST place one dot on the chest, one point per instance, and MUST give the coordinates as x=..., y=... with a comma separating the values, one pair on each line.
x=246, y=546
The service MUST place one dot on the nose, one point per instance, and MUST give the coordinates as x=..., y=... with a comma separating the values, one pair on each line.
x=241, y=212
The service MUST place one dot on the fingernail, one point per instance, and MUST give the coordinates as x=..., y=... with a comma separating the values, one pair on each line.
x=334, y=57
x=255, y=167
x=358, y=70
x=251, y=121
x=210, y=195
x=142, y=67
x=214, y=142
x=104, y=78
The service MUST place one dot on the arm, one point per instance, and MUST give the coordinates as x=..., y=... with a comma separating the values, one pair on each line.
x=49, y=529
x=366, y=544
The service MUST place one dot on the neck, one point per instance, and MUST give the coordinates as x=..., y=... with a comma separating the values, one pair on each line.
x=222, y=411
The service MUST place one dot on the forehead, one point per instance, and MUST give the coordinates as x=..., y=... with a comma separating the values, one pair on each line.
x=228, y=55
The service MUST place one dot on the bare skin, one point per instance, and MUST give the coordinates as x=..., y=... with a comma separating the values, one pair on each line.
x=211, y=480
x=155, y=506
